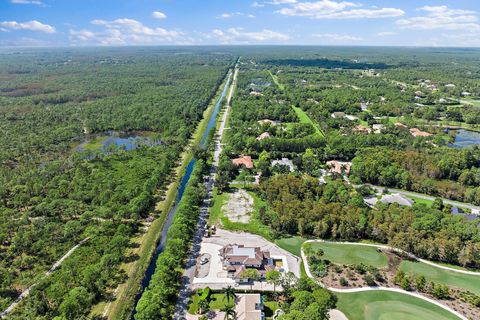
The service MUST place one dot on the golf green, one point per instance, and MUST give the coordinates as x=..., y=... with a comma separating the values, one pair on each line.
x=342, y=253
x=438, y=275
x=385, y=305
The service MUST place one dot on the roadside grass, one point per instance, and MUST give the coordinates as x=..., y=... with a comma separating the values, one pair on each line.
x=304, y=118
x=447, y=277
x=122, y=306
x=341, y=253
x=275, y=80
x=369, y=305
x=217, y=302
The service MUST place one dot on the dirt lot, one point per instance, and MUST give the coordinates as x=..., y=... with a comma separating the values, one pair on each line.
x=239, y=206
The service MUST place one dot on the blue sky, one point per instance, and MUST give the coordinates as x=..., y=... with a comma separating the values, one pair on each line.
x=202, y=22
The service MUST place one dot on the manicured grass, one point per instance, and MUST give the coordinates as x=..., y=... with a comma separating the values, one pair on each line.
x=253, y=226
x=438, y=275
x=217, y=302
x=292, y=244
x=269, y=308
x=304, y=118
x=372, y=305
x=275, y=79
x=352, y=254
x=426, y=202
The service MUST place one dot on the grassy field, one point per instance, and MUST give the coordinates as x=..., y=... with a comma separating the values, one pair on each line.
x=292, y=245
x=450, y=278
x=275, y=79
x=253, y=226
x=426, y=202
x=373, y=305
x=304, y=118
x=352, y=254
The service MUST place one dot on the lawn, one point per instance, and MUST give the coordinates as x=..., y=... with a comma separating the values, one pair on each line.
x=304, y=118
x=438, y=275
x=426, y=202
x=372, y=305
x=352, y=254
x=217, y=302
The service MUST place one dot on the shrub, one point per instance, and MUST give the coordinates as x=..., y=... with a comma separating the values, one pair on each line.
x=343, y=282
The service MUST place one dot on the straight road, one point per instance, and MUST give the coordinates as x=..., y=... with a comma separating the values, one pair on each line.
x=427, y=197
x=189, y=272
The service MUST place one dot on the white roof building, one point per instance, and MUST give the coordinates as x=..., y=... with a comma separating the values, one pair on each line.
x=284, y=162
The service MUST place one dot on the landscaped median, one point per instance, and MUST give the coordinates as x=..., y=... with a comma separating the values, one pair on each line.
x=369, y=277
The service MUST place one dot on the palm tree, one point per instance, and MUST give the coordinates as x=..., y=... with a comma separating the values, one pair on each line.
x=229, y=292
x=230, y=313
x=203, y=306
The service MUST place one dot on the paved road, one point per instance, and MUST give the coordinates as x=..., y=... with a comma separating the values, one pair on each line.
x=427, y=197
x=189, y=272
x=26, y=292
x=351, y=290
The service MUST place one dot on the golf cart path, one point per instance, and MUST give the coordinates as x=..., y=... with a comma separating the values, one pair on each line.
x=363, y=289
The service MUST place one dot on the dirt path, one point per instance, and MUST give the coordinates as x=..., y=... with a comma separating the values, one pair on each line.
x=55, y=266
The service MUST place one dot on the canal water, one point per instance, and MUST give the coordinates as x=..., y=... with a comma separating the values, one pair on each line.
x=465, y=139
x=186, y=177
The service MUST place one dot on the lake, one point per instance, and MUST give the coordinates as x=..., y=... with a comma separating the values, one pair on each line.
x=465, y=139
x=126, y=141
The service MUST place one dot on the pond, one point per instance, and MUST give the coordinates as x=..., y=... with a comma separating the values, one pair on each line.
x=126, y=141
x=465, y=139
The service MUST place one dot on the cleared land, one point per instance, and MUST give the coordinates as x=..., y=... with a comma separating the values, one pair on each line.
x=450, y=278
x=371, y=305
x=275, y=79
x=352, y=254
x=304, y=118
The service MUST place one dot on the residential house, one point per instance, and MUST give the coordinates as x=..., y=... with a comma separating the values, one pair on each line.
x=418, y=133
x=245, y=161
x=249, y=307
x=284, y=162
x=362, y=129
x=267, y=121
x=339, y=167
x=377, y=128
x=338, y=115
x=466, y=94
x=264, y=135
x=237, y=258
x=389, y=199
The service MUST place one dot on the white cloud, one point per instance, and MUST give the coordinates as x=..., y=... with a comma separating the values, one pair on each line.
x=158, y=15
x=328, y=9
x=33, y=25
x=386, y=34
x=257, y=5
x=442, y=18
x=239, y=35
x=283, y=1
x=333, y=37
x=228, y=15
x=123, y=32
x=38, y=3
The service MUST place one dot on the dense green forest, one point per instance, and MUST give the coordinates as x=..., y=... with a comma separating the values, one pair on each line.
x=53, y=194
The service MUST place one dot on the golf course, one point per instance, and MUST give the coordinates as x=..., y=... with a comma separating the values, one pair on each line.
x=383, y=305
x=340, y=253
